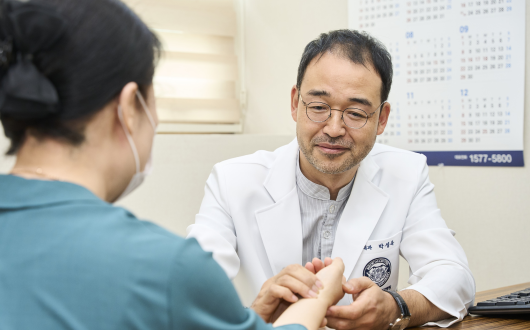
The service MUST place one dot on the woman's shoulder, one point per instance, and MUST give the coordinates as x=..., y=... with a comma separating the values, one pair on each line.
x=91, y=225
x=119, y=228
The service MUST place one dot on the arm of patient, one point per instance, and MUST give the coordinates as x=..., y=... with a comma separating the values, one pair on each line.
x=310, y=312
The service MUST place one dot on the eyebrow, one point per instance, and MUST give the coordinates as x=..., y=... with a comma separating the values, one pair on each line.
x=360, y=101
x=316, y=92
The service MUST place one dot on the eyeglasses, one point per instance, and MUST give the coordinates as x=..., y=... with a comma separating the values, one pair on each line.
x=356, y=118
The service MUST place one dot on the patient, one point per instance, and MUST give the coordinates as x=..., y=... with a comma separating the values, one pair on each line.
x=77, y=103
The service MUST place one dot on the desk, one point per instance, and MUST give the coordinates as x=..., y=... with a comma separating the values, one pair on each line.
x=490, y=323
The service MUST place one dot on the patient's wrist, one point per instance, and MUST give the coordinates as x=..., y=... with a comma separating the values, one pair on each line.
x=322, y=298
x=327, y=296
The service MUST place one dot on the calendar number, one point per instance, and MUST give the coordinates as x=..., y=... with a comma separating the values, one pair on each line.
x=409, y=35
x=479, y=158
x=463, y=92
x=501, y=158
x=495, y=158
x=464, y=29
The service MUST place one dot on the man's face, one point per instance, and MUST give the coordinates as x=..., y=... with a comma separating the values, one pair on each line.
x=332, y=147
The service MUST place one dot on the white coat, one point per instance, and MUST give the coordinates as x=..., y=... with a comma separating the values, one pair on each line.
x=250, y=218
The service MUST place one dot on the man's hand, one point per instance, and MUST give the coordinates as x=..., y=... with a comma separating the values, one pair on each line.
x=370, y=301
x=292, y=280
x=372, y=308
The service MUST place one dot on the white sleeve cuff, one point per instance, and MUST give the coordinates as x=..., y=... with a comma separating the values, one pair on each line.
x=457, y=315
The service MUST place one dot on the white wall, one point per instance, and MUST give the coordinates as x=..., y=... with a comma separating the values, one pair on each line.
x=275, y=36
x=5, y=162
x=489, y=208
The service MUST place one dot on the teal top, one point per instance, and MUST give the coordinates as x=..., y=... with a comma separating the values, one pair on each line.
x=69, y=260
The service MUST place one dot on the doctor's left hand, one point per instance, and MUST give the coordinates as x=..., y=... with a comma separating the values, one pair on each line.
x=278, y=292
x=372, y=308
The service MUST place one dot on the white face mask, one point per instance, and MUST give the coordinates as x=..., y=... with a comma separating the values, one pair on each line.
x=139, y=176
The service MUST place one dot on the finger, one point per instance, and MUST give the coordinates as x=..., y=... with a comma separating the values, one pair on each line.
x=323, y=323
x=349, y=312
x=338, y=262
x=328, y=261
x=346, y=286
x=295, y=286
x=310, y=267
x=340, y=324
x=357, y=285
x=301, y=274
x=318, y=264
x=280, y=292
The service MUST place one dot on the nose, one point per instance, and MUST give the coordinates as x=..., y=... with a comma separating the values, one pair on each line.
x=335, y=125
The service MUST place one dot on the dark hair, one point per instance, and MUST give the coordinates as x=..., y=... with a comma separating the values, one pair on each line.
x=104, y=46
x=358, y=47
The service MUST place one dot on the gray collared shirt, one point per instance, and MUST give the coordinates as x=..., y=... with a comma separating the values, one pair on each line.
x=320, y=215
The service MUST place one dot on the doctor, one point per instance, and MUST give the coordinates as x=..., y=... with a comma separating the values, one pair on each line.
x=333, y=192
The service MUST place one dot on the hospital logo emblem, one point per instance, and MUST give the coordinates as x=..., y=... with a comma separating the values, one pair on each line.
x=378, y=270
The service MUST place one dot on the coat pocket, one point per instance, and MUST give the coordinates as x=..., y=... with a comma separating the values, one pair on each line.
x=379, y=261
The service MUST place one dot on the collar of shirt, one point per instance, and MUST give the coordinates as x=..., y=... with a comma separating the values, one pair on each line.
x=317, y=191
x=18, y=192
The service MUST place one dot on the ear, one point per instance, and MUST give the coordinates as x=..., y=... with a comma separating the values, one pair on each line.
x=295, y=97
x=383, y=118
x=127, y=102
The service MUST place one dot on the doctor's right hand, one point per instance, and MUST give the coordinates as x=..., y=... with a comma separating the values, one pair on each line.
x=280, y=291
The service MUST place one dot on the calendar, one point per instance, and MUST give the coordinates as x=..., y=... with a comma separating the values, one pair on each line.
x=458, y=88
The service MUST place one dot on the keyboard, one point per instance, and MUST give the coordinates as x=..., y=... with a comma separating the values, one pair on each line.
x=517, y=302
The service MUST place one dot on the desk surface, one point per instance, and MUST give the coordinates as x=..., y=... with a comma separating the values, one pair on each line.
x=489, y=323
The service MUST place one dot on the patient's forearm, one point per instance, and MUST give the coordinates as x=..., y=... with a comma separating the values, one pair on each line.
x=308, y=312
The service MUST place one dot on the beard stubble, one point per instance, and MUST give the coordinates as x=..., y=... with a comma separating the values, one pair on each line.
x=355, y=154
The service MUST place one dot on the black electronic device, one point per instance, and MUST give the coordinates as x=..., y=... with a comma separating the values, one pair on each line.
x=517, y=302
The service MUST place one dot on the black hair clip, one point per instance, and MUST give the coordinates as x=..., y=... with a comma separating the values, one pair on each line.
x=25, y=91
x=6, y=52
